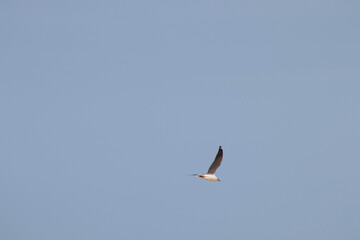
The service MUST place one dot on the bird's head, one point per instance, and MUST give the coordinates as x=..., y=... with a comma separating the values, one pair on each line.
x=218, y=180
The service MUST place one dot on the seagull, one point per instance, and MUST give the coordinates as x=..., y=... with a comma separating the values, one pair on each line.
x=210, y=175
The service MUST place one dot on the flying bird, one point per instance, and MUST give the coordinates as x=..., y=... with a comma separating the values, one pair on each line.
x=210, y=175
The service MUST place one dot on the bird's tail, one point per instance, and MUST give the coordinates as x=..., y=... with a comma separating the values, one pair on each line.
x=192, y=174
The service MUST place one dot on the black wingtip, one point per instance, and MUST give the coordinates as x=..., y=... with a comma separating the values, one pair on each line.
x=220, y=147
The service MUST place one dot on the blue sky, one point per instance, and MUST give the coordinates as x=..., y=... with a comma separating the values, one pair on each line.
x=107, y=105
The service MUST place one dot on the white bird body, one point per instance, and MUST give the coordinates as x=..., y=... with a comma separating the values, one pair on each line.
x=210, y=175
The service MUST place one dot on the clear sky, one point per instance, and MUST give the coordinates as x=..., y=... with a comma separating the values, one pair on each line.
x=107, y=105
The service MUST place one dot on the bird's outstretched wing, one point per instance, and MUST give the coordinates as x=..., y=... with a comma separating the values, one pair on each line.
x=216, y=164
